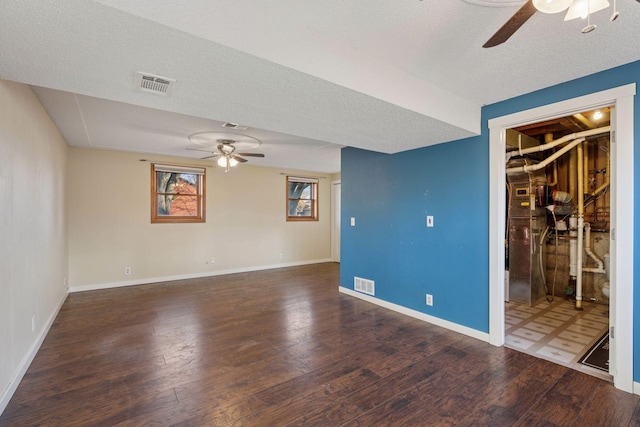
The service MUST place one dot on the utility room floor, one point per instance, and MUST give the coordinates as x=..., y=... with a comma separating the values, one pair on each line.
x=556, y=331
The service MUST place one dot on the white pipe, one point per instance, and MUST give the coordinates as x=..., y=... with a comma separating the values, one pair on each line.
x=588, y=251
x=551, y=158
x=545, y=147
x=573, y=226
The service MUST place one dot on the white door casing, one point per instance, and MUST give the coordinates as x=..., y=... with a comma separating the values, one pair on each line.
x=622, y=196
x=335, y=220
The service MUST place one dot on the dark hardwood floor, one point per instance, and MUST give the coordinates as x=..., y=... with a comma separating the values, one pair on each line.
x=283, y=347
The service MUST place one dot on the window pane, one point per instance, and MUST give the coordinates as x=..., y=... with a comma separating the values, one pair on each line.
x=188, y=179
x=166, y=181
x=299, y=190
x=302, y=199
x=187, y=184
x=177, y=194
x=178, y=205
x=183, y=183
x=300, y=208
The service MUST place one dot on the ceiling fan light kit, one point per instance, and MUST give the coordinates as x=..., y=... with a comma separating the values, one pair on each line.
x=584, y=8
x=226, y=149
x=227, y=162
x=576, y=9
x=615, y=14
x=551, y=6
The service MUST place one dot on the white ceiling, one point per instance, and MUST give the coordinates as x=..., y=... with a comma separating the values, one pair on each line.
x=305, y=77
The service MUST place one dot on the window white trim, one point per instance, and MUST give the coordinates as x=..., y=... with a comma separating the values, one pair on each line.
x=178, y=169
x=300, y=179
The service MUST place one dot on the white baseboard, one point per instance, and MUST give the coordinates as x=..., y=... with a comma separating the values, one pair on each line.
x=482, y=336
x=28, y=358
x=636, y=388
x=148, y=280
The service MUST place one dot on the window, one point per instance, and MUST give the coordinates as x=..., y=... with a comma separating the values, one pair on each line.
x=177, y=193
x=302, y=199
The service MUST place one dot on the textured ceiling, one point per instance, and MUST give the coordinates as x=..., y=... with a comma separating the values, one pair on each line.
x=380, y=75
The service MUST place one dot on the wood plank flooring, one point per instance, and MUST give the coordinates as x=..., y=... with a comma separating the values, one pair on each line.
x=285, y=348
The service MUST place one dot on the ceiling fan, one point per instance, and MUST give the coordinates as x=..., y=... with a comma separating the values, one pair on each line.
x=228, y=158
x=577, y=9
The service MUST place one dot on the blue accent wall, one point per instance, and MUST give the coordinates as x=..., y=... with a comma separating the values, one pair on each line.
x=391, y=195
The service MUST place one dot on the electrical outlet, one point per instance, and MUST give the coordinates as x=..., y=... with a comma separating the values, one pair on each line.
x=212, y=262
x=127, y=270
x=353, y=221
x=281, y=255
x=429, y=299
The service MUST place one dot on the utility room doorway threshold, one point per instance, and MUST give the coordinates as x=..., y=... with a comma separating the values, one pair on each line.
x=557, y=332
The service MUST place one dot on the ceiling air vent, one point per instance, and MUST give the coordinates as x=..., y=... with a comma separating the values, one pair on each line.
x=234, y=126
x=154, y=84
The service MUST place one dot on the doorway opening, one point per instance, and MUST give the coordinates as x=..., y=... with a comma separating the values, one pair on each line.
x=620, y=100
x=557, y=240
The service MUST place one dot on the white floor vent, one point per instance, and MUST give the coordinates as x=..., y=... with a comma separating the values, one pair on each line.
x=364, y=285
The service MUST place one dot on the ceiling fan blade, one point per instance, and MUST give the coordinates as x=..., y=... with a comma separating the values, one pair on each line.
x=240, y=159
x=511, y=26
x=196, y=149
x=208, y=157
x=255, y=154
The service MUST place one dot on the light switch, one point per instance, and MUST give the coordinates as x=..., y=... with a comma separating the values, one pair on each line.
x=353, y=221
x=429, y=221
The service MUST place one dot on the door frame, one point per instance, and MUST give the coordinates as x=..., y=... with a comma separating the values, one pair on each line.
x=622, y=213
x=335, y=220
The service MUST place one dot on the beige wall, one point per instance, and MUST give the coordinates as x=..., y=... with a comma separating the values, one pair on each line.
x=33, y=253
x=110, y=229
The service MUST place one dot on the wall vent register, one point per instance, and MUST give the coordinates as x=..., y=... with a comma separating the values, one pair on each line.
x=364, y=285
